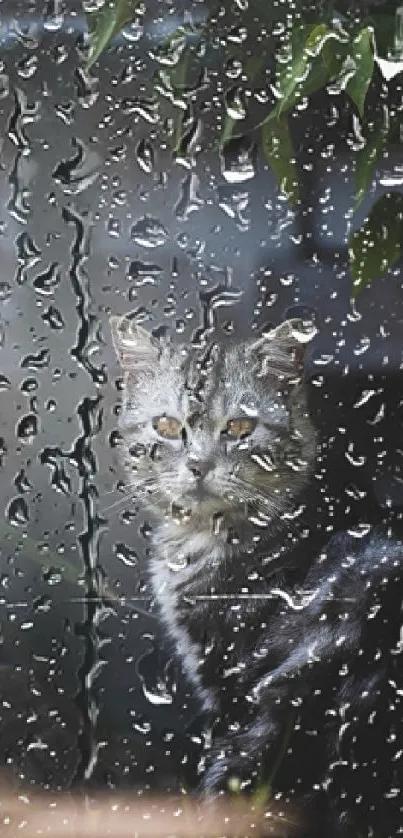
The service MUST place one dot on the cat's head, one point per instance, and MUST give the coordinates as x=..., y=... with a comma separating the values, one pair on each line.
x=219, y=434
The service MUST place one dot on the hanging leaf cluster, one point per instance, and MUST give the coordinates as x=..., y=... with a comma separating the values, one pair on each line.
x=334, y=54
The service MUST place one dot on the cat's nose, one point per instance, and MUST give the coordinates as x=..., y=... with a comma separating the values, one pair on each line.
x=199, y=468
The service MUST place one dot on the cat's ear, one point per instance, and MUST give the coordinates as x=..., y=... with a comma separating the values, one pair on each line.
x=281, y=351
x=135, y=348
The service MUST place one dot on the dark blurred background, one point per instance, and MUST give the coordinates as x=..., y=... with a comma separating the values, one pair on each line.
x=98, y=217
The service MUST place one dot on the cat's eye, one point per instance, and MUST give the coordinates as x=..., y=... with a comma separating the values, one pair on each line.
x=167, y=427
x=240, y=427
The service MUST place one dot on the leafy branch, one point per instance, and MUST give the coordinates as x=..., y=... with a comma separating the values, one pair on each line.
x=333, y=54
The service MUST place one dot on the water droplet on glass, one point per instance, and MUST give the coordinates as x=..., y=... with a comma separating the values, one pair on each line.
x=234, y=104
x=17, y=512
x=93, y=6
x=189, y=143
x=29, y=385
x=213, y=298
x=113, y=227
x=146, y=108
x=233, y=68
x=27, y=428
x=26, y=626
x=5, y=291
x=303, y=330
x=189, y=200
x=66, y=112
x=36, y=362
x=46, y=282
x=143, y=273
x=5, y=383
x=180, y=562
x=162, y=689
x=133, y=31
x=127, y=556
x=347, y=72
x=149, y=232
x=360, y=530
x=237, y=35
x=27, y=67
x=237, y=160
x=52, y=576
x=87, y=88
x=362, y=346
x=53, y=318
x=4, y=85
x=364, y=397
x=145, y=156
x=28, y=255
x=42, y=604
x=218, y=523
x=60, y=53
x=27, y=33
x=395, y=178
x=22, y=483
x=235, y=205
x=355, y=460
x=22, y=114
x=169, y=53
x=80, y=171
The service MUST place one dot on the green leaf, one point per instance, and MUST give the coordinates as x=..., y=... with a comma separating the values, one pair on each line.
x=107, y=23
x=334, y=53
x=378, y=244
x=178, y=80
x=297, y=61
x=252, y=68
x=168, y=53
x=318, y=77
x=312, y=62
x=363, y=58
x=262, y=797
x=279, y=152
x=384, y=26
x=366, y=160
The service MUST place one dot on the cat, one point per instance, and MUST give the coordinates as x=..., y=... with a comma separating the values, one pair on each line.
x=289, y=632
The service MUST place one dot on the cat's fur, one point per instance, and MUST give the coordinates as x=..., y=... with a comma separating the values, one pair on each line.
x=279, y=625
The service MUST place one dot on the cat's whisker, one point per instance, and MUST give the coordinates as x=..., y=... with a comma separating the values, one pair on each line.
x=135, y=492
x=109, y=492
x=261, y=504
x=115, y=504
x=129, y=495
x=253, y=496
x=269, y=499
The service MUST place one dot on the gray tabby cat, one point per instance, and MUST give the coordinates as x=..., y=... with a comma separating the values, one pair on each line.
x=217, y=450
x=263, y=605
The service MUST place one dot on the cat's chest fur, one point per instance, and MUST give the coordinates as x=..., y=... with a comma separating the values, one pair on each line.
x=214, y=602
x=181, y=567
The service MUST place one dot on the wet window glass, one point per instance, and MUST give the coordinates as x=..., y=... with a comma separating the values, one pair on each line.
x=201, y=336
